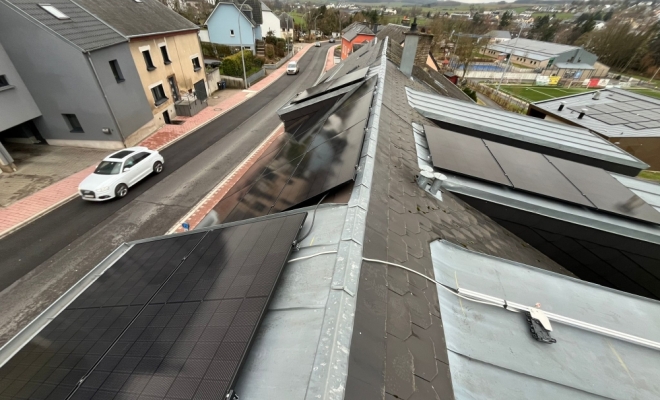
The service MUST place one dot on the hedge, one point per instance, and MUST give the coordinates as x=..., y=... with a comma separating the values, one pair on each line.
x=233, y=66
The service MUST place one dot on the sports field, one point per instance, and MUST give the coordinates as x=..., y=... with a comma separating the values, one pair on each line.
x=532, y=94
x=647, y=92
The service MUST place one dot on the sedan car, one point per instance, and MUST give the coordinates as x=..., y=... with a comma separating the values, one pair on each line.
x=118, y=172
x=332, y=40
x=292, y=68
x=317, y=44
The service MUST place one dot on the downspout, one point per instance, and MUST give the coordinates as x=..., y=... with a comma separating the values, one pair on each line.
x=105, y=97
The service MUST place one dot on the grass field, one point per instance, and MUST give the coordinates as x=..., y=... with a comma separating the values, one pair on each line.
x=538, y=93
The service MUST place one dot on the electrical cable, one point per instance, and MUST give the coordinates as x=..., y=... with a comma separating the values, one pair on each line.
x=447, y=288
x=313, y=218
x=313, y=255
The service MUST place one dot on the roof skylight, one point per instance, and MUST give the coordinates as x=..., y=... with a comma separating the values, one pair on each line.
x=52, y=10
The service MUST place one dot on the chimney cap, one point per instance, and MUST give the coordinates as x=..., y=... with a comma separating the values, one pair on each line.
x=413, y=27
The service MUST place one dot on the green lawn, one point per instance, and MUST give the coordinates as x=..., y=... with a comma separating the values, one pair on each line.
x=650, y=175
x=647, y=92
x=538, y=93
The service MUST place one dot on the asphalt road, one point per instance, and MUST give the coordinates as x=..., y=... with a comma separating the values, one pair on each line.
x=43, y=259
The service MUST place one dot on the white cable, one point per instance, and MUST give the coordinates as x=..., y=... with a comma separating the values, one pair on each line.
x=440, y=284
x=313, y=255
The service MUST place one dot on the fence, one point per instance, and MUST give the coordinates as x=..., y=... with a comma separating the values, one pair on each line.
x=509, y=77
x=506, y=101
x=279, y=63
x=214, y=77
x=255, y=77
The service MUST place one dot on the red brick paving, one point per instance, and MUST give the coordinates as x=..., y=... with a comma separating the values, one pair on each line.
x=29, y=208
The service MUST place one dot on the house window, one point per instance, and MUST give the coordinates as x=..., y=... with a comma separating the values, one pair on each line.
x=147, y=60
x=116, y=71
x=52, y=10
x=3, y=81
x=231, y=32
x=196, y=65
x=166, y=57
x=73, y=123
x=159, y=95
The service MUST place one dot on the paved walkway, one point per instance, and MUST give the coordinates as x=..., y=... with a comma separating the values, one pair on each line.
x=488, y=101
x=28, y=209
x=201, y=209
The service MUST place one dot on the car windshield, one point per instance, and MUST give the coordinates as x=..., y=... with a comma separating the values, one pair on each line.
x=292, y=65
x=108, y=168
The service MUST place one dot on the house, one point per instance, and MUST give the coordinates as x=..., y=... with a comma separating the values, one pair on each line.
x=569, y=62
x=82, y=52
x=354, y=34
x=17, y=109
x=271, y=22
x=165, y=50
x=623, y=117
x=378, y=250
x=231, y=27
x=499, y=36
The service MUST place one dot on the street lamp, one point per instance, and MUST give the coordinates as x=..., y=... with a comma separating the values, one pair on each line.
x=315, y=26
x=240, y=41
x=508, y=62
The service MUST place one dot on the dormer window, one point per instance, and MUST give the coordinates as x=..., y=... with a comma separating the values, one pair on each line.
x=52, y=10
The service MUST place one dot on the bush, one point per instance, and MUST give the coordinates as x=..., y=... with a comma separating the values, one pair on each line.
x=270, y=51
x=215, y=50
x=471, y=93
x=259, y=61
x=233, y=66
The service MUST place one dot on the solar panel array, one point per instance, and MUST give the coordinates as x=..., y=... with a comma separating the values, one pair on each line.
x=535, y=173
x=629, y=111
x=172, y=319
x=318, y=152
x=330, y=86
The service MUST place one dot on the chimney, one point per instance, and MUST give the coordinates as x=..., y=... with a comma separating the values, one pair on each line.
x=416, y=49
x=584, y=111
x=561, y=106
x=596, y=96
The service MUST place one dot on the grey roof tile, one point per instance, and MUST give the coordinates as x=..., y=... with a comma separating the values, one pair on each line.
x=81, y=29
x=131, y=18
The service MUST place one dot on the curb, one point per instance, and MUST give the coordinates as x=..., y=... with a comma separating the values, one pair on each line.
x=193, y=130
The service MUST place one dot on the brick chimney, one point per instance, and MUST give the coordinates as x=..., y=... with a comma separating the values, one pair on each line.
x=416, y=49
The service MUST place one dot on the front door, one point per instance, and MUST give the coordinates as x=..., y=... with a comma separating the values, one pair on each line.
x=175, y=89
x=200, y=90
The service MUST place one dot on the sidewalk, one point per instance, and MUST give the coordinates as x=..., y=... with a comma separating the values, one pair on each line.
x=201, y=209
x=30, y=208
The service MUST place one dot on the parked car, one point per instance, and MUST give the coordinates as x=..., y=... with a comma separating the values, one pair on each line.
x=332, y=40
x=292, y=68
x=118, y=172
x=317, y=44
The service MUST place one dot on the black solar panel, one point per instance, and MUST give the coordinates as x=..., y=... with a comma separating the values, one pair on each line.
x=532, y=172
x=321, y=155
x=604, y=191
x=630, y=116
x=327, y=87
x=626, y=106
x=187, y=341
x=463, y=154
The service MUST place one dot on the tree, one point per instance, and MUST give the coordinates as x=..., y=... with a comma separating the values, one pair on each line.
x=358, y=17
x=505, y=21
x=544, y=29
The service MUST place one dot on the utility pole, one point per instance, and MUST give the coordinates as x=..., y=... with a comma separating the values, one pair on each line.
x=653, y=77
x=240, y=41
x=508, y=62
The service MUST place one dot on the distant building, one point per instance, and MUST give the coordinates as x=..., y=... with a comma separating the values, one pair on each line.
x=625, y=118
x=499, y=36
x=355, y=34
x=271, y=22
x=229, y=26
x=570, y=62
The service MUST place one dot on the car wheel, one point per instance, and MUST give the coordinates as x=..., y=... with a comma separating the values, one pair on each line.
x=121, y=190
x=158, y=167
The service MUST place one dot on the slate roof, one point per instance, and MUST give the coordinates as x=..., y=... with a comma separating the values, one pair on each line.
x=534, y=49
x=357, y=29
x=394, y=31
x=133, y=19
x=83, y=30
x=256, y=10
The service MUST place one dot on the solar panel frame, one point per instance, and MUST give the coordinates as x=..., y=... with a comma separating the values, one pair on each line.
x=171, y=346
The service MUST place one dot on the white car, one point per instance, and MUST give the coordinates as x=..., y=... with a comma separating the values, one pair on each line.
x=317, y=44
x=292, y=68
x=119, y=171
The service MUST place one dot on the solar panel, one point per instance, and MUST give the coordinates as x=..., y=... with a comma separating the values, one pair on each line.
x=300, y=164
x=463, y=154
x=187, y=342
x=635, y=126
x=626, y=106
x=650, y=124
x=630, y=116
x=604, y=191
x=601, y=108
x=532, y=172
x=642, y=104
x=608, y=119
x=326, y=87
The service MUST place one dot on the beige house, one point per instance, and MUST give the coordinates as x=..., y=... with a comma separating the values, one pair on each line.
x=166, y=52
